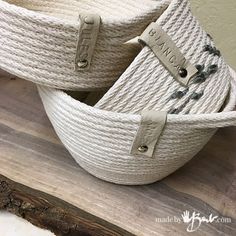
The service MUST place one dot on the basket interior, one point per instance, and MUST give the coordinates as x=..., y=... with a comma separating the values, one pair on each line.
x=89, y=98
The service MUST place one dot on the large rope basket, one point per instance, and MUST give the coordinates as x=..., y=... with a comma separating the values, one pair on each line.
x=48, y=41
x=101, y=141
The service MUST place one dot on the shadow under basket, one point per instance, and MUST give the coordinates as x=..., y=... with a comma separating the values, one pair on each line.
x=100, y=141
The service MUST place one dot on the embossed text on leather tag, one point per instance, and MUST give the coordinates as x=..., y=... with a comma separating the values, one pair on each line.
x=168, y=53
x=88, y=33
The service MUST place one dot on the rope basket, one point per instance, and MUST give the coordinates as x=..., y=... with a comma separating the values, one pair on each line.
x=38, y=39
x=100, y=141
x=108, y=139
x=152, y=120
x=148, y=84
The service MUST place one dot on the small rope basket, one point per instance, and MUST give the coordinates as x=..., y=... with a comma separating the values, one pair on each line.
x=148, y=84
x=38, y=39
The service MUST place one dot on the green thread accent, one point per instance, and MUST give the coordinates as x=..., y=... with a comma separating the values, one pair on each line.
x=212, y=69
x=179, y=94
x=212, y=50
x=203, y=75
x=196, y=96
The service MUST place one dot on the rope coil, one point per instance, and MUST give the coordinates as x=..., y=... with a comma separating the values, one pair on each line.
x=40, y=46
x=38, y=39
x=100, y=140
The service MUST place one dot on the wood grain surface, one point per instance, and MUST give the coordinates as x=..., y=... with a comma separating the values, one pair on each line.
x=32, y=155
x=51, y=213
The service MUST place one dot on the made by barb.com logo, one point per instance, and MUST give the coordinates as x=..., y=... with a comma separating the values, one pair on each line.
x=194, y=220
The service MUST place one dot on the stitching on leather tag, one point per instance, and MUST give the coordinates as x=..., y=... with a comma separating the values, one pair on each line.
x=149, y=132
x=88, y=34
x=168, y=53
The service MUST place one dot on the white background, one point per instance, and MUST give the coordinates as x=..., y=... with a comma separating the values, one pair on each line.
x=11, y=225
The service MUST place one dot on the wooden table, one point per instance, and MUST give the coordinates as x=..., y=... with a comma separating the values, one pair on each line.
x=42, y=183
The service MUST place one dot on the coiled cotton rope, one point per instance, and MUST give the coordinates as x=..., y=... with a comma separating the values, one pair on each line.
x=100, y=137
x=146, y=84
x=38, y=39
x=100, y=140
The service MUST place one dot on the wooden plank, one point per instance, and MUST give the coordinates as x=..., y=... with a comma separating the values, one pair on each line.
x=32, y=155
x=50, y=213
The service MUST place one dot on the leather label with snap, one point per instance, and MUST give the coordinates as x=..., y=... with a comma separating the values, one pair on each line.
x=168, y=53
x=88, y=34
x=149, y=132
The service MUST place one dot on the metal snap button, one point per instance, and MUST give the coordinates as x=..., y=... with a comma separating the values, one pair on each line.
x=183, y=72
x=89, y=20
x=143, y=149
x=82, y=64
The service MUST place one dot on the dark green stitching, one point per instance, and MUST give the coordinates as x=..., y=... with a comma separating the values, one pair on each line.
x=196, y=96
x=212, y=50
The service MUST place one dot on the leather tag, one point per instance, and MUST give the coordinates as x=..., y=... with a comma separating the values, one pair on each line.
x=88, y=34
x=168, y=53
x=151, y=127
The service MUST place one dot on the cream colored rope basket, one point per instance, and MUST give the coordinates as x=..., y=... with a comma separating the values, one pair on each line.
x=101, y=141
x=159, y=110
x=39, y=39
x=117, y=141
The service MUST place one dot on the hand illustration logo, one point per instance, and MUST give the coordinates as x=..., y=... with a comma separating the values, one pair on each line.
x=186, y=217
x=195, y=220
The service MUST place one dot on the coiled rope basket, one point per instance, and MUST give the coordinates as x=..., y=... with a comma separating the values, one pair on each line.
x=100, y=140
x=38, y=39
x=107, y=132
